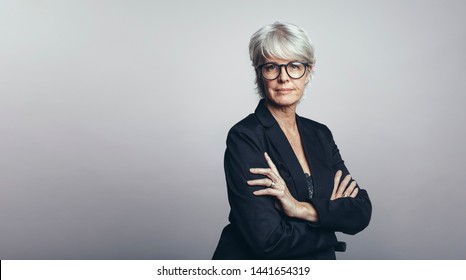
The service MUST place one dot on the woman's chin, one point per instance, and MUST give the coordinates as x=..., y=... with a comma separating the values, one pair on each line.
x=284, y=100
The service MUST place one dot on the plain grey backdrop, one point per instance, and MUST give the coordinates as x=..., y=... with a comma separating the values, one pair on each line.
x=114, y=115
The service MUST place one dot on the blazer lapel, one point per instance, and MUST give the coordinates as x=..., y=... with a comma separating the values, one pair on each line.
x=281, y=144
x=314, y=153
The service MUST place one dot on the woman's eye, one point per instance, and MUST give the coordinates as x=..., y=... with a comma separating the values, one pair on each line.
x=271, y=67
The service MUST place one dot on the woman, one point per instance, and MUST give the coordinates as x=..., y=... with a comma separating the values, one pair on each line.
x=288, y=187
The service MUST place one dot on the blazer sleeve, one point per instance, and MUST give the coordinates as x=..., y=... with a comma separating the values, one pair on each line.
x=268, y=232
x=348, y=215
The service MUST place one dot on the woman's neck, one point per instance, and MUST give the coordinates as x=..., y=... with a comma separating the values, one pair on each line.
x=285, y=116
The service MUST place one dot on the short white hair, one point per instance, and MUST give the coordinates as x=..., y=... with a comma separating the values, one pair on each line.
x=283, y=41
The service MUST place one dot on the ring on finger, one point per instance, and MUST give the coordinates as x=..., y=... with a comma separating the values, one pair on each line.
x=272, y=184
x=345, y=195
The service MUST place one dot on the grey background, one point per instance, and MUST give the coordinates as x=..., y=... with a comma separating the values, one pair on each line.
x=114, y=114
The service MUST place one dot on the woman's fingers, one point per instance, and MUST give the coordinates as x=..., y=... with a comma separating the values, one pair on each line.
x=274, y=176
x=266, y=182
x=269, y=191
x=335, y=184
x=345, y=188
x=354, y=193
x=349, y=190
x=343, y=185
x=271, y=172
x=270, y=163
x=265, y=171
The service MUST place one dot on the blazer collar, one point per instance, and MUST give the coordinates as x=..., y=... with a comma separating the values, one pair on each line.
x=264, y=115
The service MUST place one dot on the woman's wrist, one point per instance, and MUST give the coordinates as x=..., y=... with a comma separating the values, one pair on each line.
x=307, y=212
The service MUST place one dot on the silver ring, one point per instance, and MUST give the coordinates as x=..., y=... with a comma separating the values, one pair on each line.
x=345, y=195
x=272, y=184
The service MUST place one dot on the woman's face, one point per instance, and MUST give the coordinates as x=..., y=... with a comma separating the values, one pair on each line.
x=284, y=91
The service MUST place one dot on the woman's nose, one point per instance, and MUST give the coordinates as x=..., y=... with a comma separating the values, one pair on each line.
x=283, y=77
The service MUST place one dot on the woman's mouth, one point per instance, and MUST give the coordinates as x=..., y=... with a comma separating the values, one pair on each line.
x=284, y=90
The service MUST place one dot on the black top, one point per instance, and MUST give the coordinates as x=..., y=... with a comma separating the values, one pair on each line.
x=257, y=230
x=310, y=184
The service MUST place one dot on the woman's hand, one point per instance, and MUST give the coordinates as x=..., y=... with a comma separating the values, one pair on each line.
x=277, y=188
x=343, y=190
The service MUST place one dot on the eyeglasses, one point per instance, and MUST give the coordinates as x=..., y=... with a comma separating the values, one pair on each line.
x=294, y=69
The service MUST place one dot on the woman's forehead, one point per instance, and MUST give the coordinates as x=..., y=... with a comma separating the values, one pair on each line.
x=279, y=60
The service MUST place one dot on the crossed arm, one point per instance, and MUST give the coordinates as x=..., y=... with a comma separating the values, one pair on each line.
x=277, y=188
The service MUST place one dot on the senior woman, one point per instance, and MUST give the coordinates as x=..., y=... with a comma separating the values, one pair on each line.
x=288, y=187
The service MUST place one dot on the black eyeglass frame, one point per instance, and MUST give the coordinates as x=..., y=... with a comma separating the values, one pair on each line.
x=306, y=65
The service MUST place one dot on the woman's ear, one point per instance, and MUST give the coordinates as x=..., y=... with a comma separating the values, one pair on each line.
x=308, y=78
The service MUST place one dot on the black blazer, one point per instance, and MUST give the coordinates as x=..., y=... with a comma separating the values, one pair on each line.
x=257, y=230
